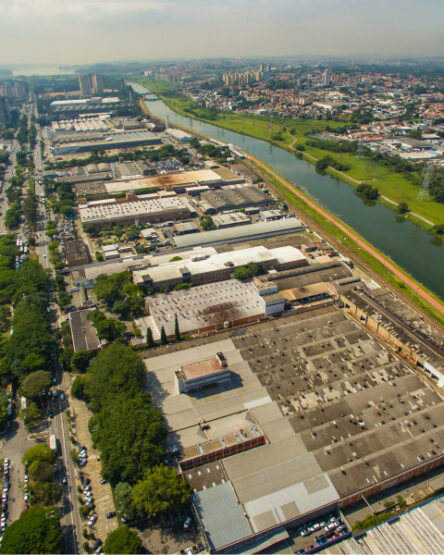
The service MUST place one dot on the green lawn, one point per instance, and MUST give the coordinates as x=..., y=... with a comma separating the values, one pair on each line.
x=390, y=184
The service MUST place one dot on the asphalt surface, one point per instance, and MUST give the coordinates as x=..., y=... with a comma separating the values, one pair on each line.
x=16, y=441
x=70, y=517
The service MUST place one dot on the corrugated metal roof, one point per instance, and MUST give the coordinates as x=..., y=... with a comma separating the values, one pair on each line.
x=221, y=515
x=239, y=233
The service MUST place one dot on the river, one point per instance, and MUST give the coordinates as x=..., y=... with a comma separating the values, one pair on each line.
x=421, y=254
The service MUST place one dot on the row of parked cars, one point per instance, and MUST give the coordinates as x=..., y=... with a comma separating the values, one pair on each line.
x=5, y=495
x=333, y=527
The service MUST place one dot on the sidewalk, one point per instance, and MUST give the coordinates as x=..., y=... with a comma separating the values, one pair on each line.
x=102, y=493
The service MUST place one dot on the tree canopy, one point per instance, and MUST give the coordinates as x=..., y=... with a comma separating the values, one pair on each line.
x=162, y=490
x=116, y=369
x=36, y=531
x=35, y=383
x=122, y=540
x=39, y=452
x=125, y=456
x=123, y=495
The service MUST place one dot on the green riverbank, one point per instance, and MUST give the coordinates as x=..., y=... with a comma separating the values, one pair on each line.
x=291, y=134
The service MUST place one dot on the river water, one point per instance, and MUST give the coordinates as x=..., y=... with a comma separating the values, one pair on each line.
x=411, y=247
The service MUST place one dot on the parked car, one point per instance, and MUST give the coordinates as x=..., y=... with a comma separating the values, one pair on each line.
x=187, y=523
x=97, y=543
x=112, y=514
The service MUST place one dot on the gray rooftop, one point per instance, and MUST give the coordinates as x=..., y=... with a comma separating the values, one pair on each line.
x=222, y=516
x=240, y=233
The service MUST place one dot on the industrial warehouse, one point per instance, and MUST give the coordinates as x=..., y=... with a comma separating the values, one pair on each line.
x=217, y=267
x=174, y=181
x=209, y=308
x=313, y=414
x=151, y=208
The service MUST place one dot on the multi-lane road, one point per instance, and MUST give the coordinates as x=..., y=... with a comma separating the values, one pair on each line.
x=17, y=440
x=70, y=518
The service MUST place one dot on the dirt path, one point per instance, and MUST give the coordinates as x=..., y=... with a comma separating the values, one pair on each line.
x=346, y=178
x=436, y=304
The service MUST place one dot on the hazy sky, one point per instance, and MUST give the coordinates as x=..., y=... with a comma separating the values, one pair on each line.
x=82, y=31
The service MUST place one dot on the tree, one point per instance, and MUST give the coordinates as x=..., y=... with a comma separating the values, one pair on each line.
x=163, y=337
x=122, y=540
x=123, y=494
x=109, y=287
x=36, y=531
x=80, y=360
x=403, y=208
x=114, y=370
x=128, y=450
x=207, y=223
x=35, y=384
x=149, y=338
x=109, y=329
x=176, y=329
x=39, y=452
x=248, y=271
x=44, y=493
x=32, y=415
x=41, y=471
x=415, y=134
x=78, y=387
x=161, y=491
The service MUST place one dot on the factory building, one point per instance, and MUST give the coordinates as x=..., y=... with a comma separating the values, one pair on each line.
x=317, y=415
x=174, y=181
x=235, y=196
x=210, y=307
x=218, y=267
x=76, y=253
x=144, y=208
x=239, y=233
x=104, y=141
x=231, y=219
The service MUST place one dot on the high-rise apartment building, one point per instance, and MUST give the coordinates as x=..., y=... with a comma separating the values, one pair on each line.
x=326, y=77
x=4, y=110
x=97, y=84
x=85, y=84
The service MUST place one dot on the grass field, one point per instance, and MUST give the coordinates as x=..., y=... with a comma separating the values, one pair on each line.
x=293, y=132
x=332, y=230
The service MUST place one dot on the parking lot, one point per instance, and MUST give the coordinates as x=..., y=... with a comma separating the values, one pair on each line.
x=101, y=493
x=13, y=445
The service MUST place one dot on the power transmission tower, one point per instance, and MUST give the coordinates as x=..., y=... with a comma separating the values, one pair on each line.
x=425, y=187
x=360, y=149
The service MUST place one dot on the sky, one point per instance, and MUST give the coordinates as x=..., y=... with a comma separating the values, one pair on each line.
x=88, y=31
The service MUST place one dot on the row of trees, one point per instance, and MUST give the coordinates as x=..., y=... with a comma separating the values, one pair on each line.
x=323, y=163
x=130, y=433
x=26, y=352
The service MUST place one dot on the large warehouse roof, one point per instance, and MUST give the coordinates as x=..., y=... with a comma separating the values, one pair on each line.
x=165, y=181
x=242, y=233
x=342, y=418
x=113, y=211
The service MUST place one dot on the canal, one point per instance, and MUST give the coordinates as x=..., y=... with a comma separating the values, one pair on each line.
x=421, y=254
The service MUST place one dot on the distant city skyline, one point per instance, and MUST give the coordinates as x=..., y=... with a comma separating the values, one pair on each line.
x=89, y=31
